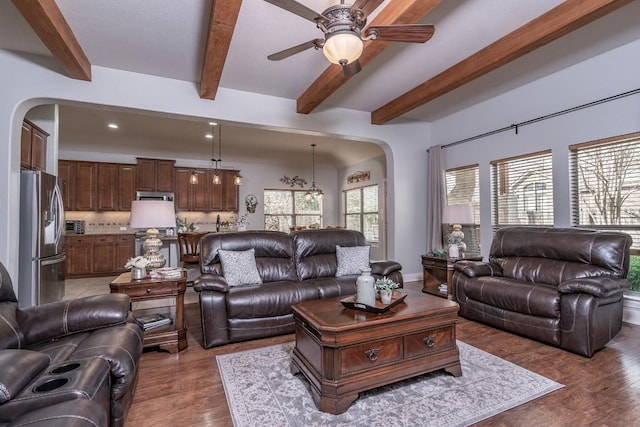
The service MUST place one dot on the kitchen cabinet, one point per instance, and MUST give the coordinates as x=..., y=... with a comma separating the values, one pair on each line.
x=33, y=147
x=91, y=186
x=98, y=254
x=116, y=186
x=79, y=260
x=67, y=177
x=155, y=175
x=126, y=186
x=191, y=197
x=85, y=186
x=223, y=196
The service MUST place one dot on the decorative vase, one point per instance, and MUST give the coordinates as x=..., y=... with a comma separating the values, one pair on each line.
x=385, y=296
x=454, y=251
x=138, y=273
x=365, y=292
x=242, y=227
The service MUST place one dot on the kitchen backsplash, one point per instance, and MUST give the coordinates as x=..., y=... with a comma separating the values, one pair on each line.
x=118, y=222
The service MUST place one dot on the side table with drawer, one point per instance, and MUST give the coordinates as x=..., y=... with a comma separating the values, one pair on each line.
x=171, y=337
x=438, y=272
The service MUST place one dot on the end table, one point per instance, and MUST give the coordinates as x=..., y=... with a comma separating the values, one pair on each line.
x=171, y=337
x=439, y=271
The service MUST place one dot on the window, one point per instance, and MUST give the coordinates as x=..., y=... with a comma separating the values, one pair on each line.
x=605, y=184
x=287, y=209
x=361, y=211
x=522, y=191
x=463, y=188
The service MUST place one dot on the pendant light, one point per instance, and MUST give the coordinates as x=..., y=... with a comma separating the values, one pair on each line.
x=193, y=178
x=217, y=179
x=314, y=192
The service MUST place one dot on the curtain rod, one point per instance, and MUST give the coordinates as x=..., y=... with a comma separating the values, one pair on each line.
x=548, y=116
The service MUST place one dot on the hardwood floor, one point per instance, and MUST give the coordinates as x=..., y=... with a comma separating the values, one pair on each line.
x=185, y=389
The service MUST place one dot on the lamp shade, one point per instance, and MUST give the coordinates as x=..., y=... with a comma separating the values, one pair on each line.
x=343, y=46
x=152, y=214
x=457, y=214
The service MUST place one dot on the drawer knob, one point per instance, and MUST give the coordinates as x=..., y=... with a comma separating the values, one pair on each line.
x=372, y=354
x=148, y=290
x=429, y=341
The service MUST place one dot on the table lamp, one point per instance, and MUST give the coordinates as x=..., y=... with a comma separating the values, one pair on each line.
x=152, y=214
x=457, y=215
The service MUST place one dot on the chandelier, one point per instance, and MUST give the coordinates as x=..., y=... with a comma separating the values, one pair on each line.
x=314, y=192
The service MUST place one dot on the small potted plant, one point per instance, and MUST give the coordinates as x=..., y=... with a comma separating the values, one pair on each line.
x=385, y=286
x=138, y=266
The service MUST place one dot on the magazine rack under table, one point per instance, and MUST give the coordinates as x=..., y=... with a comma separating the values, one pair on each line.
x=171, y=337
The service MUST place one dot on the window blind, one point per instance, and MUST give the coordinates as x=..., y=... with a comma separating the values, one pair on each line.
x=605, y=185
x=522, y=191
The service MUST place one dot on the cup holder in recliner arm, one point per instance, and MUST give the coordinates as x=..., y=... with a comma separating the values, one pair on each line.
x=50, y=385
x=67, y=367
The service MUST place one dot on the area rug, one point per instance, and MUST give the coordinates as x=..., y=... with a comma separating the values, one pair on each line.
x=261, y=392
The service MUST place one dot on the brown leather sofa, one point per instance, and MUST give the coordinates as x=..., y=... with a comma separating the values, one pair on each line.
x=55, y=356
x=293, y=267
x=560, y=286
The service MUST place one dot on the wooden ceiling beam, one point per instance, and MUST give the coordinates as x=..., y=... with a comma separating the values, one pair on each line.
x=557, y=22
x=47, y=21
x=224, y=15
x=332, y=78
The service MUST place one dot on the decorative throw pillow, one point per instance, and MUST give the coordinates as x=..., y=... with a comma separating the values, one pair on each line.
x=239, y=267
x=352, y=259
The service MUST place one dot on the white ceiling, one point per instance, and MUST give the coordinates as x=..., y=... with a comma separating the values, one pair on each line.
x=167, y=38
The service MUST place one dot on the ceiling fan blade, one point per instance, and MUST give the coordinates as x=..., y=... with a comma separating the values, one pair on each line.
x=411, y=33
x=298, y=9
x=316, y=43
x=351, y=68
x=367, y=6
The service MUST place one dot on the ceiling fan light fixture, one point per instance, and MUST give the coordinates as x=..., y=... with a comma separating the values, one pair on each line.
x=343, y=46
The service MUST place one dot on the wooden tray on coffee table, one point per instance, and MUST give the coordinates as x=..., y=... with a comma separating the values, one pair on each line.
x=379, y=307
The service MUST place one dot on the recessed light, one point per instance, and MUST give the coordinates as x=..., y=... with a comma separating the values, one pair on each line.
x=213, y=123
x=113, y=126
x=208, y=136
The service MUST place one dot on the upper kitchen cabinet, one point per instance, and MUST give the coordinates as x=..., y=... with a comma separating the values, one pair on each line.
x=116, y=186
x=33, y=147
x=67, y=178
x=79, y=185
x=91, y=186
x=191, y=196
x=223, y=196
x=155, y=175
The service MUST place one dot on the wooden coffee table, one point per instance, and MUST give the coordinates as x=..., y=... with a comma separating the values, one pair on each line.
x=343, y=351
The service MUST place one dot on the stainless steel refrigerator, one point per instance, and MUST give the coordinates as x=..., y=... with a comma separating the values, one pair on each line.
x=41, y=247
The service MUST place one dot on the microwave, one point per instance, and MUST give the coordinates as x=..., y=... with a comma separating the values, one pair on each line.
x=154, y=195
x=74, y=226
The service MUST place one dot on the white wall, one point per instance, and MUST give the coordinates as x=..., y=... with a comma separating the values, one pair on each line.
x=378, y=173
x=30, y=81
x=609, y=74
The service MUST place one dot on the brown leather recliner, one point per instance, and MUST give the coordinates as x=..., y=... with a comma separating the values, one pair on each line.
x=293, y=268
x=87, y=348
x=561, y=286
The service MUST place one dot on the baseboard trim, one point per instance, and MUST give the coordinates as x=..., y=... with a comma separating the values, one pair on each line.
x=631, y=309
x=413, y=277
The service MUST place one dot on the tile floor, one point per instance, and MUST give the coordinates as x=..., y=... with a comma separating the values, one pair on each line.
x=76, y=288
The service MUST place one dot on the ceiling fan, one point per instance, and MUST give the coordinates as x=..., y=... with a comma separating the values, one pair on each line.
x=342, y=26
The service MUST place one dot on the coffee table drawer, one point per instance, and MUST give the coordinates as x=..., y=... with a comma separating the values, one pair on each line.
x=429, y=341
x=370, y=355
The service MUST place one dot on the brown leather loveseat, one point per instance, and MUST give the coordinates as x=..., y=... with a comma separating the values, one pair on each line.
x=67, y=363
x=560, y=286
x=293, y=268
